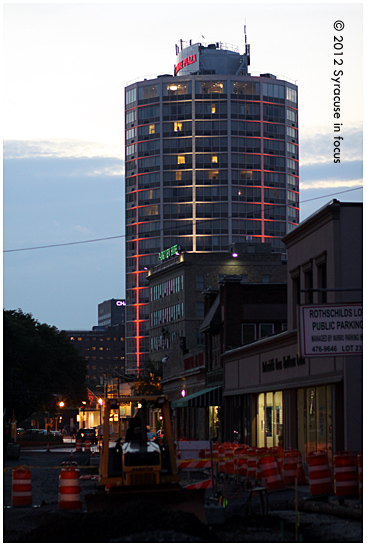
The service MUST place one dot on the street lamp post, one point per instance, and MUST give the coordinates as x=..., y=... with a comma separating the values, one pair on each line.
x=100, y=402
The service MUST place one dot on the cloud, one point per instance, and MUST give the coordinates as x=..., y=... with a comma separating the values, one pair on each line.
x=317, y=145
x=83, y=229
x=330, y=184
x=60, y=148
x=317, y=166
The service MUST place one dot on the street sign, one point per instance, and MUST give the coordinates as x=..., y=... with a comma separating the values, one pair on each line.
x=331, y=329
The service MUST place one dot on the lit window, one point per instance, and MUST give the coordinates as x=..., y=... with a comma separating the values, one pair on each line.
x=177, y=126
x=213, y=108
x=151, y=129
x=178, y=175
x=71, y=337
x=180, y=159
x=214, y=159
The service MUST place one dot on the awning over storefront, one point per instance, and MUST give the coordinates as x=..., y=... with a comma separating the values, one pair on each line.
x=211, y=396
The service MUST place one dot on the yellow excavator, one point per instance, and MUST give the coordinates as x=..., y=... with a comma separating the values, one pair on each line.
x=139, y=467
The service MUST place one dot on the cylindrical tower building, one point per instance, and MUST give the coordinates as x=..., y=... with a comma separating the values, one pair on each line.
x=211, y=159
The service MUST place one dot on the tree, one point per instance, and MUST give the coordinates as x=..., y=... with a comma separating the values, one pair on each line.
x=148, y=383
x=40, y=367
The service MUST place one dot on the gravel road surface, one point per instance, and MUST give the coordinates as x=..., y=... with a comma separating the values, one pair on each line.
x=143, y=521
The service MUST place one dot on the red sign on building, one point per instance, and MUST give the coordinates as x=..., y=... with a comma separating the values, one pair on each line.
x=185, y=62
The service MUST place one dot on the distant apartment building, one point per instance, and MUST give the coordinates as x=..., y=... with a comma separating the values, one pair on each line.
x=103, y=349
x=111, y=312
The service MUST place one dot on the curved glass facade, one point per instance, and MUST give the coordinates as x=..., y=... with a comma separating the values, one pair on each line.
x=210, y=160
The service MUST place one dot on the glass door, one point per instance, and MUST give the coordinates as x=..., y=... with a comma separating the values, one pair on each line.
x=270, y=419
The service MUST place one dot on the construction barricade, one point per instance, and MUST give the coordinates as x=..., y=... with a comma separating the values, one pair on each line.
x=345, y=474
x=79, y=445
x=270, y=473
x=194, y=464
x=200, y=485
x=319, y=474
x=87, y=445
x=21, y=490
x=69, y=489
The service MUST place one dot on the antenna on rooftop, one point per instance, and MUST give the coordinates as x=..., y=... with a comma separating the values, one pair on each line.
x=247, y=47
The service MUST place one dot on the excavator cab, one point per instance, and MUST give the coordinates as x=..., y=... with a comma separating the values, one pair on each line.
x=138, y=461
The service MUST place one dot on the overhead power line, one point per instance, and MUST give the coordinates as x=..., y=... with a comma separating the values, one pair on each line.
x=124, y=235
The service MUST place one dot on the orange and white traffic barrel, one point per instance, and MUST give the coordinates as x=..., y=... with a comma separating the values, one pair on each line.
x=360, y=475
x=345, y=474
x=270, y=472
x=277, y=452
x=87, y=445
x=229, y=461
x=319, y=474
x=21, y=490
x=240, y=459
x=69, y=489
x=221, y=464
x=251, y=463
x=260, y=452
x=290, y=466
x=79, y=445
x=216, y=451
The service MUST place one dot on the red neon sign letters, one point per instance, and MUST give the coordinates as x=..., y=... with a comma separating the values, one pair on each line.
x=185, y=62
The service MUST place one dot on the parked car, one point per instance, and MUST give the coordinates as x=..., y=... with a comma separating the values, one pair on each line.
x=55, y=433
x=20, y=431
x=151, y=436
x=87, y=433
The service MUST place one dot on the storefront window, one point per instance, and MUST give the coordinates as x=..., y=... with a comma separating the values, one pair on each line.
x=270, y=419
x=314, y=419
x=214, y=420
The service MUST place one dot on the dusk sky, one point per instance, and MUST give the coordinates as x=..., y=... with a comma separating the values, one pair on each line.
x=65, y=67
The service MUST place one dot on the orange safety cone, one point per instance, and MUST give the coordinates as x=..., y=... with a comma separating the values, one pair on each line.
x=21, y=493
x=69, y=489
x=87, y=445
x=79, y=445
